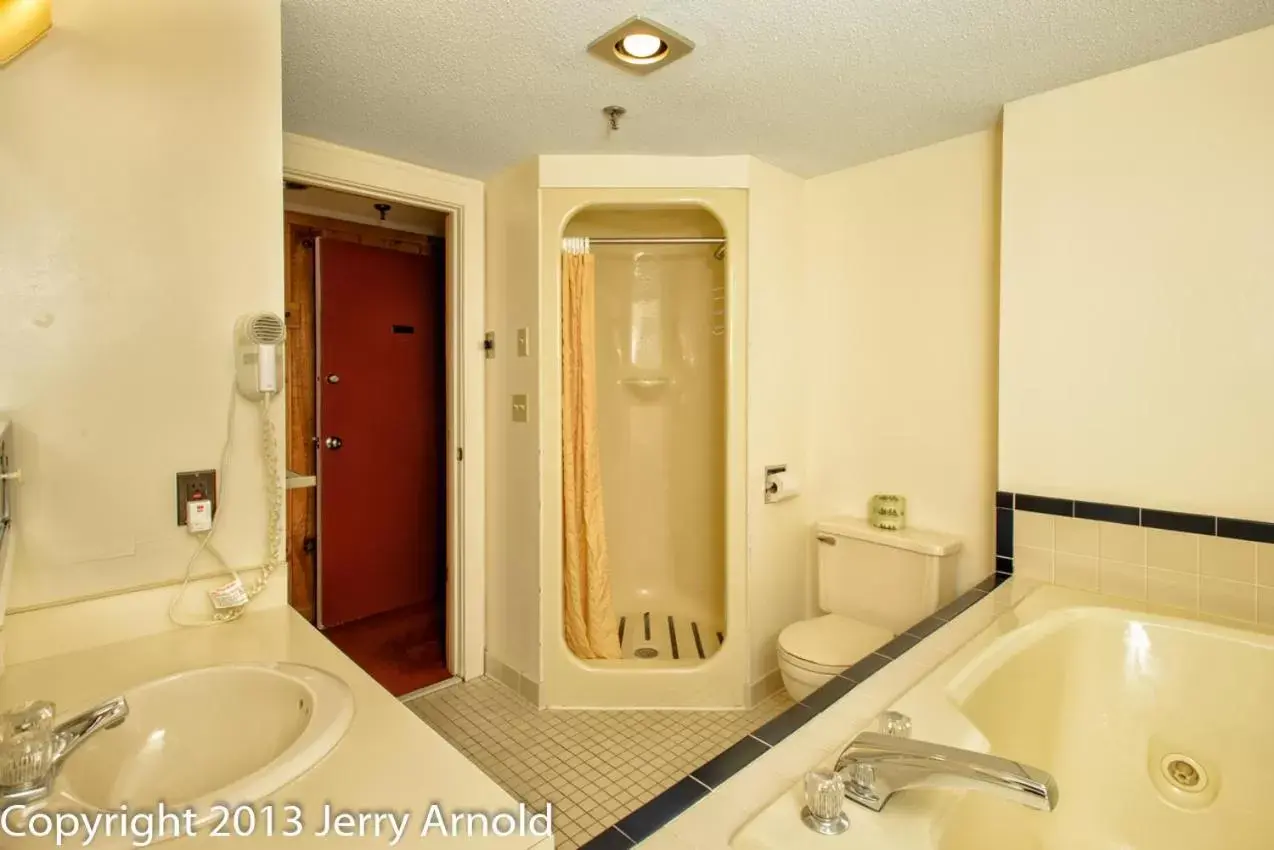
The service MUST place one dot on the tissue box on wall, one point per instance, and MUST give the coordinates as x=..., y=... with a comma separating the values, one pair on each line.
x=887, y=511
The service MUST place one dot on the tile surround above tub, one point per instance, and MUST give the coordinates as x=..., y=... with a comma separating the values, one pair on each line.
x=1221, y=566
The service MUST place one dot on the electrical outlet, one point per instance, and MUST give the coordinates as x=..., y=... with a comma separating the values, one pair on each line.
x=201, y=484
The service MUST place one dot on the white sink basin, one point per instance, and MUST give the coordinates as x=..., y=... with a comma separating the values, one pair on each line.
x=228, y=734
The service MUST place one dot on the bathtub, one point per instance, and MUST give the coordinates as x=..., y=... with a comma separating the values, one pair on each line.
x=1158, y=730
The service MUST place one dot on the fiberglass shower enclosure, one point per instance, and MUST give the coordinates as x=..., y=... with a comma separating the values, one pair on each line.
x=659, y=360
x=661, y=351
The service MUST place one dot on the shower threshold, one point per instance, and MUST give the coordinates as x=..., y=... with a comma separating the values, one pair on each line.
x=659, y=636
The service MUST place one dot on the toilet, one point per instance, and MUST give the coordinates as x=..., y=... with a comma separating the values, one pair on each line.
x=873, y=584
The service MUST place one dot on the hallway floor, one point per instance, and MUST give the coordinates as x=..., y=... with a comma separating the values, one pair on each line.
x=404, y=650
x=594, y=766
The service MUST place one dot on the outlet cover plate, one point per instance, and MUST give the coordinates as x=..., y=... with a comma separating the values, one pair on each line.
x=203, y=481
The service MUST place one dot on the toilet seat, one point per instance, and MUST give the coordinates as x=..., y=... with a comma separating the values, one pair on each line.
x=793, y=662
x=830, y=643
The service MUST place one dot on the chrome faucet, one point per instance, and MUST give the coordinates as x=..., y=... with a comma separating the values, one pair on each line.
x=33, y=750
x=874, y=767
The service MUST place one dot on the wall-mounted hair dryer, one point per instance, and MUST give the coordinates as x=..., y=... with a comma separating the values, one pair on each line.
x=258, y=376
x=258, y=354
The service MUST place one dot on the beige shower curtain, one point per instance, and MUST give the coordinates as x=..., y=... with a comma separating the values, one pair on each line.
x=589, y=615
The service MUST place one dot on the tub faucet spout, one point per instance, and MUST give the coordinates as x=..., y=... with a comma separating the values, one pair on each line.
x=874, y=767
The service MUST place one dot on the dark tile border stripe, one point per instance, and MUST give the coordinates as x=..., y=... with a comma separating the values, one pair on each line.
x=644, y=821
x=827, y=695
x=1206, y=524
x=1245, y=529
x=1173, y=521
x=991, y=582
x=739, y=755
x=1108, y=513
x=785, y=724
x=1003, y=532
x=641, y=823
x=611, y=839
x=1044, y=505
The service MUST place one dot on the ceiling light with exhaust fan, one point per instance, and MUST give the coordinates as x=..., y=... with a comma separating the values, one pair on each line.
x=640, y=45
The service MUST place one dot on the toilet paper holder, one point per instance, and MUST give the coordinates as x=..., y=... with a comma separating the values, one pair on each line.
x=776, y=491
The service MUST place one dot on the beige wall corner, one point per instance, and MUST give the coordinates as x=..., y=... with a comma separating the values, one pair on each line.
x=780, y=380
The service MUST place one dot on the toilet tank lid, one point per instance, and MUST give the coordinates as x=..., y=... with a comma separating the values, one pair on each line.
x=910, y=539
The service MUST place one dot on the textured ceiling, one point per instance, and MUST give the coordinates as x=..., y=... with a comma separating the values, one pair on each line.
x=472, y=86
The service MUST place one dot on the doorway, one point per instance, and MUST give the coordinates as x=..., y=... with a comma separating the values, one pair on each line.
x=367, y=435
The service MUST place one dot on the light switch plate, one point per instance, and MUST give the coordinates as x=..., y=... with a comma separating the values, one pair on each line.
x=524, y=342
x=519, y=407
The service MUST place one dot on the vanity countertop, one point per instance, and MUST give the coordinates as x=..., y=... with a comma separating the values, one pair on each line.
x=388, y=761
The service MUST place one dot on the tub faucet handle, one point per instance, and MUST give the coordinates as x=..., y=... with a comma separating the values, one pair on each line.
x=895, y=724
x=824, y=803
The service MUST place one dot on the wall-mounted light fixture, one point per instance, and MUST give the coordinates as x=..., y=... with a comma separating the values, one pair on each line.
x=640, y=45
x=22, y=23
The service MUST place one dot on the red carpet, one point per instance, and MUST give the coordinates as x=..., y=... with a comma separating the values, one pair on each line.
x=404, y=650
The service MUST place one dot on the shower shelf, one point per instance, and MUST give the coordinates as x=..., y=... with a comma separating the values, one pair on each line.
x=645, y=383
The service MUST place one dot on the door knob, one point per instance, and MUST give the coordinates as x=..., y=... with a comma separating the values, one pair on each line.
x=333, y=378
x=333, y=443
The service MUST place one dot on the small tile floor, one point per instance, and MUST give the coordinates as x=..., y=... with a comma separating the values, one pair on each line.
x=593, y=766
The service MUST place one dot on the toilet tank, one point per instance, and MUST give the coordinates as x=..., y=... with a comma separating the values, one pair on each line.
x=890, y=579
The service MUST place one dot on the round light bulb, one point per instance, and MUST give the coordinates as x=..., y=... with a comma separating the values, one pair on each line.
x=642, y=45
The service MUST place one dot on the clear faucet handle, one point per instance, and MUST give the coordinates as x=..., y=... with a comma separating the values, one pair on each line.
x=824, y=803
x=895, y=723
x=26, y=743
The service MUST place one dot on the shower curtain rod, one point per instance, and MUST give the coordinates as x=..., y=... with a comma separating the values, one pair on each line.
x=657, y=240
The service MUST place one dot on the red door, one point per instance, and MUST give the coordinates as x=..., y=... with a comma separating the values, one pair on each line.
x=381, y=414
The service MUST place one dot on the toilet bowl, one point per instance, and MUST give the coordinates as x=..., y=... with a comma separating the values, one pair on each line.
x=812, y=652
x=873, y=584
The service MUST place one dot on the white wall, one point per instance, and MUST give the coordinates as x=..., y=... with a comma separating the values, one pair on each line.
x=512, y=492
x=900, y=323
x=120, y=293
x=779, y=539
x=1137, y=344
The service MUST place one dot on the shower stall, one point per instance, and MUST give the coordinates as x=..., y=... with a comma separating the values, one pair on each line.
x=650, y=538
x=659, y=358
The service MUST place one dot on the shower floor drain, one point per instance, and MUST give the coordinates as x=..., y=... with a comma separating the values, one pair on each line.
x=1184, y=773
x=646, y=652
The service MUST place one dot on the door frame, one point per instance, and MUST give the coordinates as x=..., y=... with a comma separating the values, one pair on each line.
x=322, y=164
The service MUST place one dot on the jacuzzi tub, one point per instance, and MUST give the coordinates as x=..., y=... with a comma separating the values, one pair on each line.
x=1158, y=730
